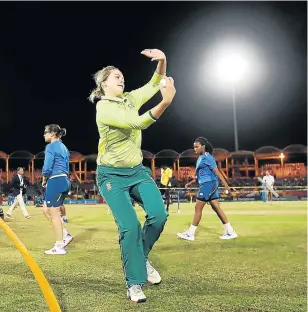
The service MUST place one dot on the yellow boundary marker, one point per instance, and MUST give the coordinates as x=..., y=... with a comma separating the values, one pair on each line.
x=38, y=274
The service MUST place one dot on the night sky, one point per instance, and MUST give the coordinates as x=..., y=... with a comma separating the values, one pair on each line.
x=50, y=50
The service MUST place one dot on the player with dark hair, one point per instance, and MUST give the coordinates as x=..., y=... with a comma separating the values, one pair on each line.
x=207, y=176
x=55, y=177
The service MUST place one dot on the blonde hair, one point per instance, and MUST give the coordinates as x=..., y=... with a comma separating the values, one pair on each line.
x=100, y=77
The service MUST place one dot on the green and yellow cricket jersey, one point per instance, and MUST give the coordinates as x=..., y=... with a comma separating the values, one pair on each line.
x=119, y=125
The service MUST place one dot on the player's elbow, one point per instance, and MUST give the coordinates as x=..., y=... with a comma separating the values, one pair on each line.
x=139, y=126
x=143, y=127
x=46, y=172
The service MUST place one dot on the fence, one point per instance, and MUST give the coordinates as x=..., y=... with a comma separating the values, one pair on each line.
x=182, y=195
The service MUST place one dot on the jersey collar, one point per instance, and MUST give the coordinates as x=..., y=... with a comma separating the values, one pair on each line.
x=112, y=98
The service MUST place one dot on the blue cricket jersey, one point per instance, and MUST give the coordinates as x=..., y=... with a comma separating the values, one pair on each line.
x=205, y=164
x=56, y=159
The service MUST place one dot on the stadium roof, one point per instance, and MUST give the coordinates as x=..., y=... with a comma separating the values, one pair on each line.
x=295, y=149
x=147, y=154
x=220, y=154
x=190, y=153
x=267, y=152
x=21, y=155
x=167, y=153
x=40, y=155
x=91, y=157
x=76, y=157
x=240, y=154
x=3, y=155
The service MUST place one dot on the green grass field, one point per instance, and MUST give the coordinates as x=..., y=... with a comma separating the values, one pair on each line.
x=262, y=270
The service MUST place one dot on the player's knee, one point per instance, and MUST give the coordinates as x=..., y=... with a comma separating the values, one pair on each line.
x=163, y=218
x=158, y=219
x=130, y=229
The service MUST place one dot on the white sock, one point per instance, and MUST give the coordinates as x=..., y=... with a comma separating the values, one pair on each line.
x=228, y=228
x=60, y=243
x=192, y=229
x=64, y=232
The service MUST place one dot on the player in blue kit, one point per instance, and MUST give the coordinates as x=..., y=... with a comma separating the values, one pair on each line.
x=207, y=176
x=55, y=177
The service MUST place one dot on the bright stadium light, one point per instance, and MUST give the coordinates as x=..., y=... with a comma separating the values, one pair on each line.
x=232, y=68
x=231, y=64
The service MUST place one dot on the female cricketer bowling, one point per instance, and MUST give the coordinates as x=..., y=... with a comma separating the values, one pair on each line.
x=120, y=173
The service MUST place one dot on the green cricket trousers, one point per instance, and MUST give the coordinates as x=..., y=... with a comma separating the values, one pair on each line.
x=117, y=186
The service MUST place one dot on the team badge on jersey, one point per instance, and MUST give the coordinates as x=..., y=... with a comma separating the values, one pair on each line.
x=108, y=186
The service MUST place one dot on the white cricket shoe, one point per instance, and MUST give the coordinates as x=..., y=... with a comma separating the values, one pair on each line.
x=8, y=216
x=68, y=238
x=135, y=293
x=186, y=235
x=228, y=235
x=153, y=276
x=56, y=250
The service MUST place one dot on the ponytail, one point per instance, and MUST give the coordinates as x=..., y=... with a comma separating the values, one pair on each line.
x=96, y=94
x=209, y=148
x=62, y=132
x=59, y=132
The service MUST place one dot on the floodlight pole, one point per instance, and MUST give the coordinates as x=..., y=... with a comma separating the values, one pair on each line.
x=234, y=117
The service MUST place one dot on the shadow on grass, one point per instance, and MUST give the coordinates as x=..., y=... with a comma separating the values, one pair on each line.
x=104, y=287
x=60, y=297
x=84, y=236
